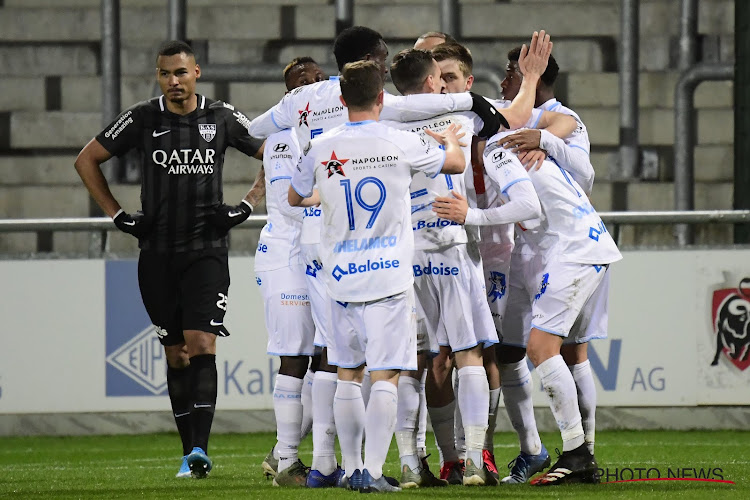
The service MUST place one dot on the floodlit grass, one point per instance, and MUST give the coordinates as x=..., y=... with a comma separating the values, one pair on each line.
x=110, y=467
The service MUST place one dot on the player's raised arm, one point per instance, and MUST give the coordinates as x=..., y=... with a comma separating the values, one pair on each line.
x=532, y=62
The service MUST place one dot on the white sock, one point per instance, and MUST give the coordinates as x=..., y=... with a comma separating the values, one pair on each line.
x=307, y=418
x=287, y=406
x=458, y=425
x=380, y=424
x=323, y=426
x=474, y=400
x=563, y=400
x=406, y=421
x=517, y=387
x=349, y=412
x=489, y=437
x=441, y=418
x=366, y=387
x=422, y=419
x=586, y=388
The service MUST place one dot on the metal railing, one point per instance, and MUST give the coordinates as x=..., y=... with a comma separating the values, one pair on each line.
x=101, y=226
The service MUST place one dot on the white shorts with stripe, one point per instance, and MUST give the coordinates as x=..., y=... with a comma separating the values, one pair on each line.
x=287, y=311
x=450, y=290
x=566, y=299
x=320, y=302
x=381, y=333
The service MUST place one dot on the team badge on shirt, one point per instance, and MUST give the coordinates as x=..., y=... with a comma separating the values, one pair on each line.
x=334, y=165
x=303, y=115
x=207, y=130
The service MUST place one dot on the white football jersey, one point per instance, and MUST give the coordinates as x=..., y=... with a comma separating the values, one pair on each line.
x=278, y=245
x=362, y=171
x=569, y=226
x=580, y=136
x=316, y=108
x=430, y=231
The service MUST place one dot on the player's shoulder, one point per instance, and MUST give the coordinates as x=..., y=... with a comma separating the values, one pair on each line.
x=220, y=107
x=318, y=90
x=283, y=141
x=151, y=106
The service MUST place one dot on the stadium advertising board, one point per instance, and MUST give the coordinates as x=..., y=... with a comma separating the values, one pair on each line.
x=77, y=339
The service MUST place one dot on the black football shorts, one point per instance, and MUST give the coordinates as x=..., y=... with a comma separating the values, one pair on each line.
x=185, y=291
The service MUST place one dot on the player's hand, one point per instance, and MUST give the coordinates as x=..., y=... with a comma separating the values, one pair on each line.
x=450, y=134
x=227, y=216
x=522, y=140
x=533, y=60
x=491, y=117
x=532, y=160
x=453, y=209
x=136, y=224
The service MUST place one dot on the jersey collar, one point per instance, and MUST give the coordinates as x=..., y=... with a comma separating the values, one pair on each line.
x=357, y=124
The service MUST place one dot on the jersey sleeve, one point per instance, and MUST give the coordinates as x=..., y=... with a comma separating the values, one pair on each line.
x=423, y=155
x=279, y=191
x=573, y=158
x=124, y=133
x=503, y=167
x=281, y=155
x=303, y=179
x=422, y=106
x=238, y=133
x=277, y=118
x=523, y=205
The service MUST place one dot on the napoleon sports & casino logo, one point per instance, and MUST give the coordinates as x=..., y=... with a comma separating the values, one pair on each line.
x=730, y=317
x=135, y=363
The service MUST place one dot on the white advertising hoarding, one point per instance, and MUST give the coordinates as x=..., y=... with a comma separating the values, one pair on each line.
x=76, y=337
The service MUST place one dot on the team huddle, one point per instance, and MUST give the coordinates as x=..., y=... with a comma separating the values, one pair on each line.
x=414, y=235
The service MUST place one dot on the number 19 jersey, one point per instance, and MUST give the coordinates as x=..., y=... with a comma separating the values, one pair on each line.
x=362, y=171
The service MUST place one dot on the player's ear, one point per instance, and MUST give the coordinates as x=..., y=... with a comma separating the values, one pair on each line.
x=341, y=98
x=379, y=101
x=469, y=82
x=197, y=71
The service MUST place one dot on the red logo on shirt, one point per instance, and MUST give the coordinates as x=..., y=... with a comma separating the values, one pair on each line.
x=334, y=165
x=303, y=115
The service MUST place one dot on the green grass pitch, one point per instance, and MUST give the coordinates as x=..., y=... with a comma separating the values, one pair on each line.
x=113, y=467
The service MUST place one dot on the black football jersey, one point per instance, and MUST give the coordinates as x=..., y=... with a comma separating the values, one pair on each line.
x=181, y=157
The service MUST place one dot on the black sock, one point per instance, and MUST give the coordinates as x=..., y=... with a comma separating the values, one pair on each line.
x=178, y=385
x=203, y=383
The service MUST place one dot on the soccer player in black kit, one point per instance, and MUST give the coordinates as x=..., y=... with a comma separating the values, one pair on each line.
x=183, y=270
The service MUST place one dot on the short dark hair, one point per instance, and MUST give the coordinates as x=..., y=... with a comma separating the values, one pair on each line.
x=297, y=61
x=455, y=51
x=550, y=74
x=361, y=82
x=354, y=43
x=173, y=47
x=409, y=69
x=438, y=34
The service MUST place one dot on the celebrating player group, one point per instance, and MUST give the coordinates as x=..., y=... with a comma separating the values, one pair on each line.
x=415, y=235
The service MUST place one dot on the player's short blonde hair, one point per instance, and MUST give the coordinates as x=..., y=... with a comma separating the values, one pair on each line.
x=361, y=82
x=456, y=51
